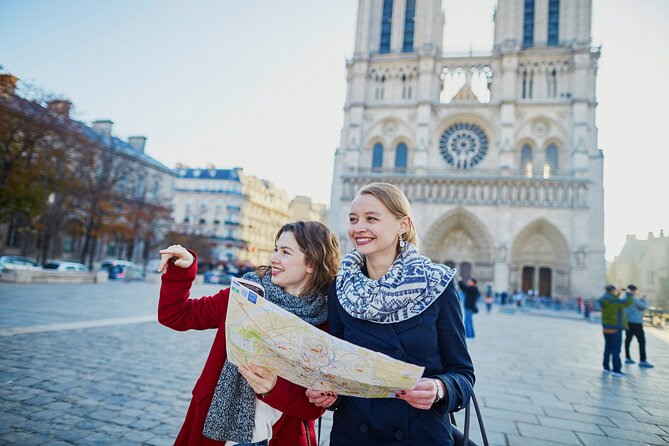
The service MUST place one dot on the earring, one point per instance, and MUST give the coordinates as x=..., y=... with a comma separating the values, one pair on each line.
x=402, y=242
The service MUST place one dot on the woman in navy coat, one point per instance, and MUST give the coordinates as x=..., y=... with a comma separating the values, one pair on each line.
x=392, y=300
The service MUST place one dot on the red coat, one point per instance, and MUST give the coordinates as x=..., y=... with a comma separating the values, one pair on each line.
x=177, y=311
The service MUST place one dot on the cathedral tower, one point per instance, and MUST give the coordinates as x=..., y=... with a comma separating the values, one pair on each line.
x=496, y=150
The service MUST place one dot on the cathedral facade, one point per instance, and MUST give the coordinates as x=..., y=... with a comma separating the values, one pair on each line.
x=496, y=150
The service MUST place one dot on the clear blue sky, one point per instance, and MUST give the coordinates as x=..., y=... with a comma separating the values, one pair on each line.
x=261, y=84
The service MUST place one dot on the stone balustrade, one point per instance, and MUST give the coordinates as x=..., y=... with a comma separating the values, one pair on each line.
x=482, y=190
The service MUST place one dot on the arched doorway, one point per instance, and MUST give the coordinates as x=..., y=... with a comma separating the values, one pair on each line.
x=458, y=239
x=540, y=260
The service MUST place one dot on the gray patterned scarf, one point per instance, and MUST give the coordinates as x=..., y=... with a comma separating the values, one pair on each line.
x=413, y=282
x=231, y=415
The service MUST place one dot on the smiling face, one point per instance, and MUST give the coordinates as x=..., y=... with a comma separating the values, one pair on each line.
x=373, y=229
x=289, y=270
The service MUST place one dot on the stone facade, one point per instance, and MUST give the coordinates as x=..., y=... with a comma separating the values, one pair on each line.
x=644, y=263
x=240, y=213
x=496, y=150
x=302, y=208
x=265, y=210
x=208, y=202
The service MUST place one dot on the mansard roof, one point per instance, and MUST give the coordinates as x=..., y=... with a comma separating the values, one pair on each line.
x=36, y=111
x=209, y=174
x=123, y=147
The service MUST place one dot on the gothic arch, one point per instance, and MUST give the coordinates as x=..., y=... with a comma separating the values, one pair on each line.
x=458, y=236
x=540, y=259
x=541, y=234
x=541, y=128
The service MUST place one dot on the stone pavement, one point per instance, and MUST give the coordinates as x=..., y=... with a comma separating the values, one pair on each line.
x=79, y=380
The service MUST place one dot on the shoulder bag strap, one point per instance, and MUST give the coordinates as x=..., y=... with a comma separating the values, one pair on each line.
x=484, y=436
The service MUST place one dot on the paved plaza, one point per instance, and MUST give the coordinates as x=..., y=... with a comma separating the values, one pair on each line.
x=89, y=365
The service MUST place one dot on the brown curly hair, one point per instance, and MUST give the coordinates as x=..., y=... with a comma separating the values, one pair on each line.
x=321, y=251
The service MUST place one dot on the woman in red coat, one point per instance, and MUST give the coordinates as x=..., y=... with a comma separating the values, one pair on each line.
x=249, y=405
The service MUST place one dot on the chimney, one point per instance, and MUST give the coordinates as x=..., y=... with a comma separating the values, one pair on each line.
x=661, y=233
x=8, y=84
x=650, y=235
x=59, y=108
x=138, y=142
x=630, y=237
x=103, y=128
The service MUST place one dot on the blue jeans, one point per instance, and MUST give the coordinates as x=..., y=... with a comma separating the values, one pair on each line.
x=612, y=344
x=469, y=323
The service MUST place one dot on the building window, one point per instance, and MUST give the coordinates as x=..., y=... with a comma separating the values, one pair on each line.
x=524, y=94
x=406, y=86
x=528, y=81
x=409, y=21
x=551, y=165
x=552, y=84
x=377, y=157
x=401, y=155
x=386, y=26
x=526, y=160
x=378, y=93
x=528, y=24
x=553, y=22
x=650, y=277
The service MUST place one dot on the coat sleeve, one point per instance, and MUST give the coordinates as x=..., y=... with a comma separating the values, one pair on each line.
x=619, y=303
x=291, y=399
x=458, y=377
x=178, y=312
x=640, y=304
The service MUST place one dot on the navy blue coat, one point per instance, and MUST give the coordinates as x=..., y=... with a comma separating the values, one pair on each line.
x=434, y=339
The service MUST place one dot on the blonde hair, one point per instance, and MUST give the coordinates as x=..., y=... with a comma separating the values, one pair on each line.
x=397, y=203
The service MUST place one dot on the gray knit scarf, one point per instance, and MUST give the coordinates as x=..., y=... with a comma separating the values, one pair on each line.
x=231, y=415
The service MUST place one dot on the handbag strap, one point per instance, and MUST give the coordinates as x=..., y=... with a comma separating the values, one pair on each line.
x=477, y=409
x=479, y=417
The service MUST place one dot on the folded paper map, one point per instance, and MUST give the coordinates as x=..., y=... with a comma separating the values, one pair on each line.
x=260, y=332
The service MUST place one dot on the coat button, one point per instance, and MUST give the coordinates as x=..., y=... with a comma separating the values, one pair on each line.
x=363, y=428
x=399, y=435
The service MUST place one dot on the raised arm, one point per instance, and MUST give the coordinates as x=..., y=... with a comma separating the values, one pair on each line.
x=641, y=304
x=177, y=311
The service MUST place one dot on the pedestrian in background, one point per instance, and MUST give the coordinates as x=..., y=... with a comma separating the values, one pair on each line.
x=249, y=405
x=472, y=295
x=488, y=303
x=503, y=297
x=614, y=322
x=587, y=308
x=393, y=300
x=634, y=315
x=518, y=298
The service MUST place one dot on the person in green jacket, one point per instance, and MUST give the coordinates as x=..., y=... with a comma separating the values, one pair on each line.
x=614, y=321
